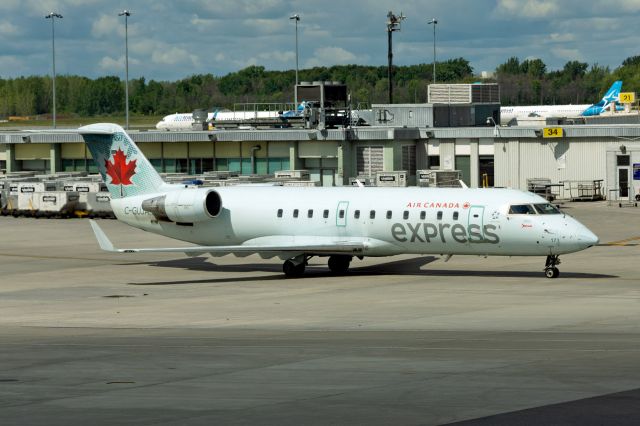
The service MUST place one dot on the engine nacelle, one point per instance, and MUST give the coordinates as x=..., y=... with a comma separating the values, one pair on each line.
x=185, y=205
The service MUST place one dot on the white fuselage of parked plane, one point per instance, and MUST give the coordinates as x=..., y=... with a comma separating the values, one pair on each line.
x=508, y=114
x=184, y=121
x=384, y=221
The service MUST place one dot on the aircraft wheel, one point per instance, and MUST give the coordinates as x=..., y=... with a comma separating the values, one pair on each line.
x=291, y=270
x=552, y=272
x=339, y=264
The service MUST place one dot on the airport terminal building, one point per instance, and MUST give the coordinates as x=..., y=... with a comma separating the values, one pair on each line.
x=411, y=138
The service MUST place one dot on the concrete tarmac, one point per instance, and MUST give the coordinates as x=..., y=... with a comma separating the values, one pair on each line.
x=88, y=337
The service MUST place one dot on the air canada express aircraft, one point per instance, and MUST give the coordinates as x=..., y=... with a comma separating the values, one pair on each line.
x=296, y=224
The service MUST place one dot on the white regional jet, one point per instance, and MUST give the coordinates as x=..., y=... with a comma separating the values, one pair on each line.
x=184, y=121
x=610, y=100
x=296, y=224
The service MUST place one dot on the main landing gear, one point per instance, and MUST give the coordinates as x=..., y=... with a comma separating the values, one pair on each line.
x=339, y=264
x=550, y=270
x=294, y=268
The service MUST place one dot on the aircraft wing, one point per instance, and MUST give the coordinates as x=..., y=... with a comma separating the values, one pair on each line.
x=301, y=246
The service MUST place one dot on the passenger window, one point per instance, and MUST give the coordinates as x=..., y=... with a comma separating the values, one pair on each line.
x=279, y=212
x=405, y=215
x=341, y=214
x=423, y=215
x=356, y=214
x=325, y=214
x=439, y=216
x=310, y=214
x=372, y=214
x=455, y=215
x=295, y=213
x=389, y=214
x=521, y=209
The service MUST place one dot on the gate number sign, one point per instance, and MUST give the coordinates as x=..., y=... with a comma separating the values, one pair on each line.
x=553, y=132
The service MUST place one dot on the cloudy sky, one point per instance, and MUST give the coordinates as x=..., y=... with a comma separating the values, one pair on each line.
x=169, y=40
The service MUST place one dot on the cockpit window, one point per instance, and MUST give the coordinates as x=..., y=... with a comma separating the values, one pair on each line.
x=521, y=209
x=547, y=209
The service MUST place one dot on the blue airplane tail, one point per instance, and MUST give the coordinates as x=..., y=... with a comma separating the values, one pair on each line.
x=297, y=112
x=612, y=96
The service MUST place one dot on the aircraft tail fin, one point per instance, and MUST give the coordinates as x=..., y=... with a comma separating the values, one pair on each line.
x=612, y=96
x=123, y=167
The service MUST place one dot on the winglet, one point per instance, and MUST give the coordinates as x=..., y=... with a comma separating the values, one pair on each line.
x=103, y=240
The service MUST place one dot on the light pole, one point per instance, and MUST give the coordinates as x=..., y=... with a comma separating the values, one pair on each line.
x=52, y=16
x=296, y=18
x=393, y=24
x=434, y=22
x=126, y=15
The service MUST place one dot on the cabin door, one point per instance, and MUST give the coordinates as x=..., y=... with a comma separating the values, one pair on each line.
x=341, y=213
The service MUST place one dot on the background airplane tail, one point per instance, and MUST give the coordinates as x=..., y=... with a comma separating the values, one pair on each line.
x=123, y=167
x=613, y=94
x=612, y=97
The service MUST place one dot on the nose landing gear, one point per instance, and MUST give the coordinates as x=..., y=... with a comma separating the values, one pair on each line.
x=550, y=270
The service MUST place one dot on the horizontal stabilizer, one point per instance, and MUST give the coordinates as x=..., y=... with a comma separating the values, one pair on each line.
x=103, y=240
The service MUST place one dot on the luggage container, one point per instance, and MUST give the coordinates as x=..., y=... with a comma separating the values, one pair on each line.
x=365, y=180
x=97, y=204
x=293, y=174
x=9, y=203
x=439, y=178
x=3, y=199
x=391, y=179
x=54, y=203
x=87, y=192
x=301, y=183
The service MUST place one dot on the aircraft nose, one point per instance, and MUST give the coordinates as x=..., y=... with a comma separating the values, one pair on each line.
x=586, y=237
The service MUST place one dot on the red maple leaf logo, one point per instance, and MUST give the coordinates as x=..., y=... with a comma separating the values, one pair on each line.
x=119, y=171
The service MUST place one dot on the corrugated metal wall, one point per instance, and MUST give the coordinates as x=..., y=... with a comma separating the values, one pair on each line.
x=518, y=161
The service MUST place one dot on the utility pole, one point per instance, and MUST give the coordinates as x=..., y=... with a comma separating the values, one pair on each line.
x=434, y=22
x=52, y=16
x=126, y=15
x=296, y=18
x=393, y=24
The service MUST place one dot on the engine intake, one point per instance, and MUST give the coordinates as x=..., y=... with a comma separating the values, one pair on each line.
x=185, y=205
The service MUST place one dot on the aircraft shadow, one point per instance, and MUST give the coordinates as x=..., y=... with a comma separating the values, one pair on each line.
x=399, y=267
